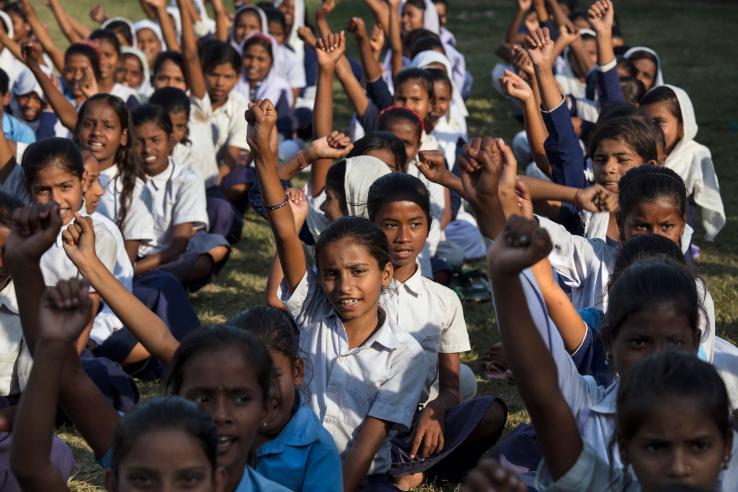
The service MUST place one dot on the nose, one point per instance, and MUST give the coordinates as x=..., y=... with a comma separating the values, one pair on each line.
x=403, y=234
x=56, y=195
x=221, y=410
x=344, y=282
x=611, y=166
x=679, y=466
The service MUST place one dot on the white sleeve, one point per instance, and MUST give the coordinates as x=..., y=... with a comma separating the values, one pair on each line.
x=139, y=223
x=454, y=336
x=707, y=196
x=307, y=304
x=237, y=128
x=106, y=247
x=191, y=205
x=572, y=257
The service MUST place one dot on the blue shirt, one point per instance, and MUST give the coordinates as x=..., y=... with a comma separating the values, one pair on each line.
x=16, y=130
x=303, y=457
x=254, y=482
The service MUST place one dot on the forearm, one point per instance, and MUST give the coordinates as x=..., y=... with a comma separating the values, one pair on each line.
x=168, y=30
x=381, y=11
x=11, y=45
x=43, y=37
x=512, y=36
x=351, y=86
x=490, y=218
x=560, y=17
x=276, y=275
x=222, y=24
x=193, y=68
x=82, y=30
x=550, y=93
x=359, y=458
x=29, y=284
x=321, y=22
x=395, y=41
x=545, y=190
x=175, y=248
x=63, y=108
x=535, y=130
x=372, y=70
x=62, y=18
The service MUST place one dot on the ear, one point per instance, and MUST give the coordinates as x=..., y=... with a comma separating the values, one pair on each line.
x=298, y=371
x=5, y=99
x=85, y=183
x=220, y=478
x=111, y=484
x=387, y=275
x=652, y=162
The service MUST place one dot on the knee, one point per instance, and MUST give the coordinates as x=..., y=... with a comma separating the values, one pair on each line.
x=493, y=422
x=467, y=383
x=218, y=254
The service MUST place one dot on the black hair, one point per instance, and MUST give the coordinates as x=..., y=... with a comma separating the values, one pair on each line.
x=361, y=231
x=645, y=246
x=152, y=113
x=668, y=376
x=649, y=183
x=416, y=74
x=632, y=89
x=442, y=2
x=397, y=187
x=633, y=131
x=664, y=94
x=87, y=51
x=15, y=8
x=628, y=65
x=274, y=15
x=439, y=75
x=410, y=38
x=54, y=151
x=4, y=82
x=119, y=26
x=644, y=55
x=245, y=9
x=628, y=110
x=172, y=99
x=335, y=180
x=108, y=36
x=129, y=169
x=577, y=14
x=8, y=205
x=208, y=339
x=216, y=53
x=394, y=113
x=276, y=329
x=164, y=413
x=165, y=56
x=259, y=40
x=426, y=43
x=420, y=4
x=380, y=140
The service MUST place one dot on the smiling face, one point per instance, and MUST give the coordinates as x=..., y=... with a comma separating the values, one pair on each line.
x=148, y=42
x=93, y=189
x=256, y=63
x=101, y=133
x=76, y=68
x=677, y=443
x=153, y=146
x=246, y=24
x=108, y=59
x=669, y=124
x=130, y=71
x=413, y=95
x=287, y=7
x=55, y=183
x=646, y=71
x=288, y=376
x=21, y=28
x=412, y=18
x=180, y=125
x=441, y=100
x=224, y=383
x=406, y=227
x=408, y=134
x=612, y=159
x=30, y=106
x=220, y=81
x=660, y=217
x=352, y=280
x=169, y=75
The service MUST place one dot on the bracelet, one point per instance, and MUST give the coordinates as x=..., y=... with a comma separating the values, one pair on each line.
x=301, y=162
x=577, y=203
x=272, y=208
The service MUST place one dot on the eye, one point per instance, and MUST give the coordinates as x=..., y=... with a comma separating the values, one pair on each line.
x=358, y=271
x=191, y=479
x=701, y=445
x=667, y=227
x=240, y=398
x=390, y=226
x=655, y=446
x=637, y=343
x=140, y=479
x=200, y=399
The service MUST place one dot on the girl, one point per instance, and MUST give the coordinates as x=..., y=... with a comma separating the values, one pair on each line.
x=167, y=440
x=295, y=450
x=417, y=14
x=108, y=49
x=384, y=146
x=648, y=66
x=104, y=129
x=671, y=108
x=133, y=72
x=355, y=388
x=179, y=208
x=29, y=104
x=168, y=70
x=247, y=20
x=123, y=29
x=433, y=315
x=149, y=39
x=81, y=73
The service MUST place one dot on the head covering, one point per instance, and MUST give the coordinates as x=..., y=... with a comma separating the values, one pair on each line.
x=659, y=79
x=145, y=88
x=26, y=83
x=147, y=24
x=457, y=112
x=273, y=86
x=107, y=23
x=293, y=39
x=431, y=21
x=693, y=163
x=361, y=172
x=241, y=9
x=8, y=23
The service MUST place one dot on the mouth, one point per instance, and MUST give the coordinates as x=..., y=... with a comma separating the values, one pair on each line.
x=347, y=304
x=63, y=212
x=611, y=185
x=225, y=444
x=403, y=254
x=150, y=159
x=95, y=145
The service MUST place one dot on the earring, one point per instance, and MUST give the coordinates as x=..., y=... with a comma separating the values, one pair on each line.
x=608, y=358
x=264, y=425
x=726, y=462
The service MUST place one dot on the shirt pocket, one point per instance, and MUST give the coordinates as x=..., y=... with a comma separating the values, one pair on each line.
x=359, y=398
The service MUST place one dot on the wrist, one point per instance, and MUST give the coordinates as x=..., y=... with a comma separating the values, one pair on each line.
x=310, y=154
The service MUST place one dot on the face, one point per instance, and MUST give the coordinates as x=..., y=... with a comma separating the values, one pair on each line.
x=352, y=279
x=21, y=29
x=166, y=459
x=406, y=228
x=408, y=134
x=287, y=7
x=645, y=72
x=331, y=207
x=108, y=59
x=93, y=189
x=54, y=183
x=677, y=443
x=660, y=217
x=651, y=331
x=101, y=133
x=288, y=376
x=386, y=156
x=669, y=124
x=75, y=68
x=442, y=13
x=180, y=125
x=412, y=95
x=277, y=31
x=590, y=48
x=30, y=105
x=122, y=35
x=441, y=101
x=224, y=383
x=169, y=75
x=130, y=72
x=412, y=18
x=256, y=63
x=612, y=159
x=153, y=146
x=247, y=24
x=220, y=81
x=149, y=43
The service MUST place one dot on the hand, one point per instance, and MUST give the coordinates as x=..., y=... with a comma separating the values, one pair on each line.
x=34, y=231
x=522, y=62
x=481, y=165
x=65, y=311
x=78, y=240
x=525, y=5
x=376, y=40
x=88, y=84
x=521, y=244
x=156, y=4
x=540, y=47
x=299, y=206
x=261, y=118
x=97, y=13
x=601, y=16
x=508, y=181
x=428, y=432
x=334, y=146
x=489, y=475
x=358, y=28
x=326, y=7
x=568, y=33
x=330, y=49
x=432, y=165
x=597, y=199
x=525, y=202
x=516, y=87
x=32, y=54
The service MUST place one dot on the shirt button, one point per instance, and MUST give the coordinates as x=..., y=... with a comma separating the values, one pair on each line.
x=329, y=420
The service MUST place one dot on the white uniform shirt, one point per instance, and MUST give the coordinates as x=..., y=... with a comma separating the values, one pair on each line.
x=432, y=314
x=139, y=223
x=15, y=359
x=199, y=153
x=227, y=122
x=178, y=197
x=382, y=378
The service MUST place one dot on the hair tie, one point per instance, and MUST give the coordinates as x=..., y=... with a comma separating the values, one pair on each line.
x=261, y=36
x=404, y=108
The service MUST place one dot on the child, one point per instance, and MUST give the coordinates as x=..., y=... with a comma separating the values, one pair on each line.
x=179, y=207
x=432, y=313
x=123, y=29
x=15, y=130
x=108, y=49
x=133, y=72
x=295, y=451
x=168, y=70
x=149, y=39
x=355, y=388
x=29, y=105
x=672, y=109
x=247, y=20
x=648, y=66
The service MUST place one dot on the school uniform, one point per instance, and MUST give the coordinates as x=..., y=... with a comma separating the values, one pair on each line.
x=303, y=456
x=252, y=481
x=15, y=358
x=128, y=95
x=16, y=130
x=15, y=184
x=227, y=123
x=198, y=153
x=139, y=223
x=382, y=378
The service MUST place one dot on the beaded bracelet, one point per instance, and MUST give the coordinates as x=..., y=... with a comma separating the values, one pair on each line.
x=301, y=162
x=272, y=208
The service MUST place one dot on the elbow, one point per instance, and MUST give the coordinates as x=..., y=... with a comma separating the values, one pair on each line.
x=274, y=301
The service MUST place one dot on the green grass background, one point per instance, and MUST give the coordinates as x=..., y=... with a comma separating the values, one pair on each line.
x=695, y=42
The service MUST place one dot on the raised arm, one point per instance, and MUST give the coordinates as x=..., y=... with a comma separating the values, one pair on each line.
x=261, y=117
x=372, y=69
x=395, y=36
x=9, y=43
x=601, y=16
x=43, y=36
x=321, y=17
x=381, y=12
x=62, y=18
x=514, y=36
x=432, y=164
x=193, y=69
x=323, y=149
x=168, y=29
x=63, y=108
x=222, y=23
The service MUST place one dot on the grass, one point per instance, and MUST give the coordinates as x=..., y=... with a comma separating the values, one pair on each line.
x=689, y=36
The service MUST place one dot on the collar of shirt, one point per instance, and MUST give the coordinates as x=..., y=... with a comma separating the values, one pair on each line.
x=8, y=299
x=383, y=336
x=413, y=285
x=254, y=482
x=301, y=430
x=160, y=180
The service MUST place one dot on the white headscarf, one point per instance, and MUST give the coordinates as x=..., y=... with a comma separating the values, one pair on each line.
x=26, y=83
x=8, y=62
x=145, y=88
x=659, y=79
x=107, y=22
x=361, y=172
x=148, y=24
x=298, y=21
x=241, y=9
x=430, y=17
x=273, y=86
x=693, y=163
